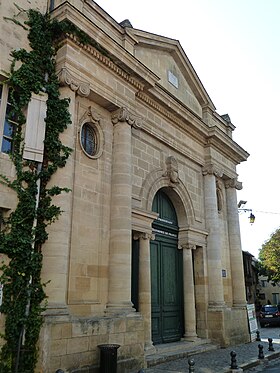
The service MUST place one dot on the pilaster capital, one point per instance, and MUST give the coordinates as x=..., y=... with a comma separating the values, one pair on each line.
x=123, y=115
x=143, y=236
x=67, y=79
x=233, y=183
x=211, y=169
x=187, y=246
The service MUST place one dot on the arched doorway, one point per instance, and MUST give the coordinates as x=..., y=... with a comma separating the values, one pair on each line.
x=166, y=274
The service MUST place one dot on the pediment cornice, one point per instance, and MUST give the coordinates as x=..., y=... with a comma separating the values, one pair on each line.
x=174, y=48
x=113, y=54
x=106, y=61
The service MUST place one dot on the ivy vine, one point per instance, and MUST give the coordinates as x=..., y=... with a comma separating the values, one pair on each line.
x=21, y=240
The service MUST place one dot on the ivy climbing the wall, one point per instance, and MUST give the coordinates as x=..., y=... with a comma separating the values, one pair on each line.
x=21, y=240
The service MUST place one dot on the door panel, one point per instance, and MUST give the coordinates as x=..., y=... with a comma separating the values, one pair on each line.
x=156, y=296
x=166, y=274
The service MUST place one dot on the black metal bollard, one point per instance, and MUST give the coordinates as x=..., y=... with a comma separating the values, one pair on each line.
x=59, y=371
x=191, y=365
x=141, y=371
x=270, y=345
x=258, y=336
x=108, y=358
x=233, y=364
x=261, y=355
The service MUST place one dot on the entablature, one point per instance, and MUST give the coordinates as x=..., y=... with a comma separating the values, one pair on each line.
x=104, y=44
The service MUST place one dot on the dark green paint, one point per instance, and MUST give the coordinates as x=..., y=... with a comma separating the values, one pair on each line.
x=166, y=274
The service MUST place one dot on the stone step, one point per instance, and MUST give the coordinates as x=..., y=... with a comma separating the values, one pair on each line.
x=177, y=350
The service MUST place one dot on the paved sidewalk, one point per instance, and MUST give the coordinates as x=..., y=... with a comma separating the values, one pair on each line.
x=218, y=361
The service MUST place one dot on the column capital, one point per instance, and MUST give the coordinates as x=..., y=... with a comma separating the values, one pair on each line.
x=143, y=236
x=124, y=115
x=187, y=246
x=233, y=183
x=211, y=169
x=67, y=79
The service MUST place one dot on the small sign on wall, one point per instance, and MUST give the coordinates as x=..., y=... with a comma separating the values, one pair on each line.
x=224, y=273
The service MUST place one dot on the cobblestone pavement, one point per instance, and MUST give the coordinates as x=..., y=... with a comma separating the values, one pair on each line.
x=218, y=361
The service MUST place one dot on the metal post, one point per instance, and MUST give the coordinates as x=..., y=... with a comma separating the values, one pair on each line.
x=261, y=355
x=270, y=345
x=233, y=364
x=258, y=336
x=191, y=365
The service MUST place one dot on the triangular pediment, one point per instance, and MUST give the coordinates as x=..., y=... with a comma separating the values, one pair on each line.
x=166, y=58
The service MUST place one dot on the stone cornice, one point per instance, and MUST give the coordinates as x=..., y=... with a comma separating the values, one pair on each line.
x=195, y=127
x=67, y=79
x=192, y=236
x=224, y=144
x=152, y=103
x=142, y=220
x=123, y=115
x=108, y=37
x=98, y=56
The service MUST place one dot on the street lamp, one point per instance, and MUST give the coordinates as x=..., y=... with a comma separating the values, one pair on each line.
x=252, y=216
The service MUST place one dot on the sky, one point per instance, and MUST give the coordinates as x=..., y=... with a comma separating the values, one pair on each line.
x=234, y=46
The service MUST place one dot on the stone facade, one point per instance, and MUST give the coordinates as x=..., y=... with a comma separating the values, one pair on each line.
x=155, y=128
x=268, y=293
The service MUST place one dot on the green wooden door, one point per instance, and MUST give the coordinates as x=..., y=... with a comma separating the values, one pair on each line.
x=166, y=274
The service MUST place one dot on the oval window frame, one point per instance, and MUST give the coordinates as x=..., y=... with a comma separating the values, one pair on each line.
x=98, y=137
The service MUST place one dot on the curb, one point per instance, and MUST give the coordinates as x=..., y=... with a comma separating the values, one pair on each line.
x=255, y=362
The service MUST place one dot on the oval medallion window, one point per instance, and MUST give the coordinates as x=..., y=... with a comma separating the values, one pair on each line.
x=89, y=139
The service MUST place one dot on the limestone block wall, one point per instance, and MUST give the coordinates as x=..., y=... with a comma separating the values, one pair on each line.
x=72, y=344
x=8, y=199
x=236, y=326
x=201, y=293
x=153, y=144
x=13, y=36
x=228, y=326
x=89, y=252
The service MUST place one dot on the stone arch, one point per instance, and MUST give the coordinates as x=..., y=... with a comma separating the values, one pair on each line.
x=177, y=192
